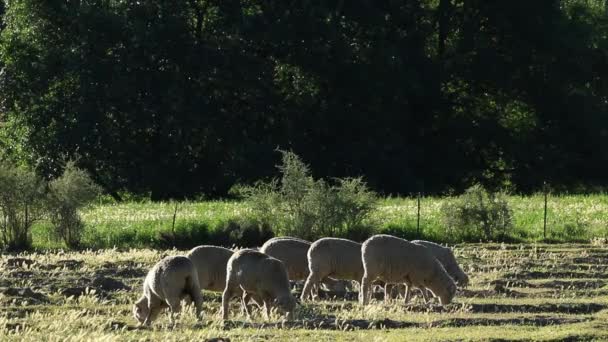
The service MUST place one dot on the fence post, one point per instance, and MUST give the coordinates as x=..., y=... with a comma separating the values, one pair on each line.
x=418, y=217
x=174, y=217
x=545, y=217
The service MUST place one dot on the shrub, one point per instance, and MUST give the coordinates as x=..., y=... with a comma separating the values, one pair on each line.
x=68, y=193
x=477, y=215
x=21, y=204
x=298, y=205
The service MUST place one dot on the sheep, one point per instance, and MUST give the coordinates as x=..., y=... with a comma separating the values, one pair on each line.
x=447, y=259
x=253, y=273
x=293, y=252
x=168, y=282
x=338, y=258
x=396, y=260
x=210, y=263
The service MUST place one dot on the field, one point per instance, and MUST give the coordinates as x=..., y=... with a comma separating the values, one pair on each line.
x=572, y=218
x=517, y=292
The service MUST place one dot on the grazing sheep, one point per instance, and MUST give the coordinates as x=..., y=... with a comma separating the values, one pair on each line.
x=253, y=273
x=396, y=260
x=332, y=257
x=292, y=252
x=210, y=263
x=172, y=279
x=447, y=259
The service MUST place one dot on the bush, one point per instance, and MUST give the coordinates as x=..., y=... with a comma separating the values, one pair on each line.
x=21, y=204
x=72, y=191
x=298, y=205
x=477, y=215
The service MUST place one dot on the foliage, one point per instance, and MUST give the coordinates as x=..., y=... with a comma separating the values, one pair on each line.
x=478, y=215
x=67, y=194
x=21, y=204
x=298, y=205
x=506, y=94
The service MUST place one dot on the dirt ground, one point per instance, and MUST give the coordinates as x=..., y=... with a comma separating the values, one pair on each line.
x=517, y=292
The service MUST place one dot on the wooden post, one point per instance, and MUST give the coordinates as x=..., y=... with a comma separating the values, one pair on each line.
x=174, y=217
x=545, y=219
x=418, y=217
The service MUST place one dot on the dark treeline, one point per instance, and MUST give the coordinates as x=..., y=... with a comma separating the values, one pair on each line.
x=178, y=98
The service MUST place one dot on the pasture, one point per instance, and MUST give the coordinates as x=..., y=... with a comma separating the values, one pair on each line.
x=570, y=218
x=517, y=292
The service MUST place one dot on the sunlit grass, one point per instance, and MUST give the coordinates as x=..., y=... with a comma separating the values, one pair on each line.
x=570, y=218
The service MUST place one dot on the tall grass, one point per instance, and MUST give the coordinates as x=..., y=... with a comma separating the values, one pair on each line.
x=570, y=218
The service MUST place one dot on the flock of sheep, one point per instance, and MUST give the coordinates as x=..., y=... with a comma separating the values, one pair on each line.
x=264, y=275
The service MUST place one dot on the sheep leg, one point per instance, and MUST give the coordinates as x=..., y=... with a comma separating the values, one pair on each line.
x=245, y=299
x=226, y=296
x=197, y=298
x=267, y=309
x=425, y=295
x=311, y=281
x=174, y=309
x=406, y=297
x=314, y=292
x=388, y=289
x=365, y=290
x=154, y=307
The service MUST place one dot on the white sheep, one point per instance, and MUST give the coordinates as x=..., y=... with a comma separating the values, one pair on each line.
x=210, y=263
x=168, y=282
x=335, y=258
x=293, y=252
x=253, y=273
x=447, y=259
x=398, y=261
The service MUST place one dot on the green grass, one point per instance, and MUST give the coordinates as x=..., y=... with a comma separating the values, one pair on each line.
x=570, y=218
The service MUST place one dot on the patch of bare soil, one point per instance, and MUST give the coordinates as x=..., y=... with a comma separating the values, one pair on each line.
x=512, y=283
x=14, y=327
x=574, y=284
x=325, y=324
x=574, y=338
x=20, y=274
x=535, y=321
x=568, y=284
x=19, y=262
x=69, y=264
x=107, y=284
x=122, y=272
x=590, y=260
x=363, y=324
x=499, y=290
x=15, y=312
x=77, y=291
x=25, y=293
x=555, y=274
x=562, y=308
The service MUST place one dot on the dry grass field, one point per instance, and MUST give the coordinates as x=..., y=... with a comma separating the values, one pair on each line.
x=517, y=292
